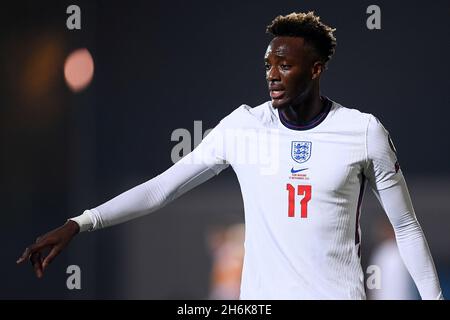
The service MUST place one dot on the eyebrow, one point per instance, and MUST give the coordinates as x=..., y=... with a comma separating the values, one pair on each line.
x=277, y=55
x=281, y=55
x=281, y=52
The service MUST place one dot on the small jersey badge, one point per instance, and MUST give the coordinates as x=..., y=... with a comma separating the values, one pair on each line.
x=301, y=151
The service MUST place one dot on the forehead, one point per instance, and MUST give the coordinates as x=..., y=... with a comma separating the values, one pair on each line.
x=286, y=47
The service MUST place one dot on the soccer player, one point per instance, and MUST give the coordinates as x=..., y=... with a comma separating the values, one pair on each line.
x=303, y=162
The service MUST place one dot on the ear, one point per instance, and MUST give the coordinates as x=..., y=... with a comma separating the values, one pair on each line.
x=317, y=69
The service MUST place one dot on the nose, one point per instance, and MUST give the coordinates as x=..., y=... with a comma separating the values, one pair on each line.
x=272, y=75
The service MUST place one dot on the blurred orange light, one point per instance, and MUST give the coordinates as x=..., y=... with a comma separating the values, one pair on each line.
x=79, y=69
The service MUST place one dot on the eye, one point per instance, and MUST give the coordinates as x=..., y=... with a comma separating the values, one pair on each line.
x=285, y=66
x=267, y=66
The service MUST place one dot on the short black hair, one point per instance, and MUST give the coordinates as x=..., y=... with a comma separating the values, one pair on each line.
x=308, y=26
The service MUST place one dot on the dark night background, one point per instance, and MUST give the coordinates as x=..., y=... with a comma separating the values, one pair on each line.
x=160, y=65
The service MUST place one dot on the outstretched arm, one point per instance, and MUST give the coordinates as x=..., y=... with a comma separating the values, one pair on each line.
x=389, y=186
x=149, y=196
x=206, y=161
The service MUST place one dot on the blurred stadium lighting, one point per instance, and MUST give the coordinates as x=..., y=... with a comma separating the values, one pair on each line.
x=79, y=69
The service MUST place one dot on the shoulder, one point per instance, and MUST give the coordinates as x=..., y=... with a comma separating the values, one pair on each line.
x=356, y=119
x=246, y=115
x=350, y=115
x=377, y=137
x=375, y=128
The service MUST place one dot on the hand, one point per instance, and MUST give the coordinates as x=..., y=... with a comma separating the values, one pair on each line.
x=55, y=240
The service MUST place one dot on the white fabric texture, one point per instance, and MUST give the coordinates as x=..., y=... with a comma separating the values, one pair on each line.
x=302, y=209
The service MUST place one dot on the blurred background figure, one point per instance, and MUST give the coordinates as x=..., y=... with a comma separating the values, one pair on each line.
x=227, y=250
x=396, y=283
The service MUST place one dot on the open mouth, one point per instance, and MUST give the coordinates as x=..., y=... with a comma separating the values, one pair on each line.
x=276, y=94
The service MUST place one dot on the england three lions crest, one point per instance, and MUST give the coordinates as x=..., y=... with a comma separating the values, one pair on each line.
x=301, y=151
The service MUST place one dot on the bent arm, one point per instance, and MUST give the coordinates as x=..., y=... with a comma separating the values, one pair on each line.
x=410, y=238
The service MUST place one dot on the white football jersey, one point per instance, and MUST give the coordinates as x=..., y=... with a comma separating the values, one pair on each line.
x=302, y=189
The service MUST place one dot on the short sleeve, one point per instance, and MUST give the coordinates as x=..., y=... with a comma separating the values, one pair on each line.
x=382, y=168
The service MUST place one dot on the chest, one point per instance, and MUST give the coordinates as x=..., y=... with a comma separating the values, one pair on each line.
x=331, y=161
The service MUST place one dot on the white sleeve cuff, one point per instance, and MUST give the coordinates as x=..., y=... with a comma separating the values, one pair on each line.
x=84, y=221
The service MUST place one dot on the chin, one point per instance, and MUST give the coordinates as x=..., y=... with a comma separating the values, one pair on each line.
x=279, y=104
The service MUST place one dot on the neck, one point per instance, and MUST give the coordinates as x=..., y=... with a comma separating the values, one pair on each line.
x=308, y=107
